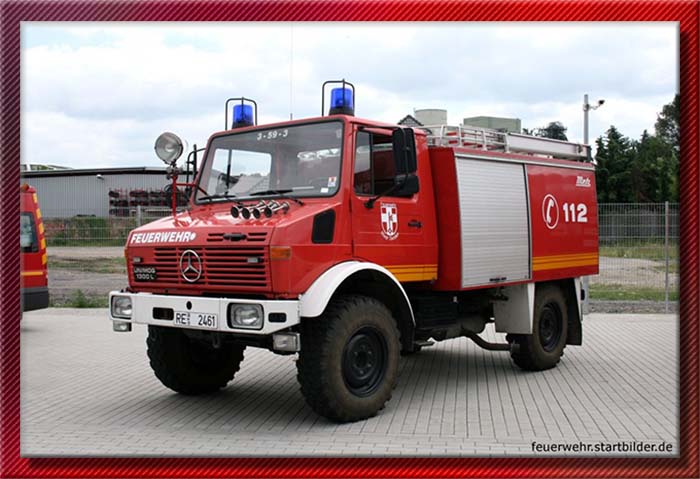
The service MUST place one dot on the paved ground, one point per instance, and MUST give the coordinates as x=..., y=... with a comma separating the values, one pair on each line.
x=87, y=391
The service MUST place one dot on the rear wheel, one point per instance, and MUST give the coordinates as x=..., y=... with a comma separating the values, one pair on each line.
x=544, y=347
x=190, y=366
x=349, y=357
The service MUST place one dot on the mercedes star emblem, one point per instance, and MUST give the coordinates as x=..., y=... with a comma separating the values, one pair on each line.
x=190, y=266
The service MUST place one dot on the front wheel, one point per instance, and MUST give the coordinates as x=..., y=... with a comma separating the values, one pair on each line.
x=189, y=366
x=544, y=347
x=348, y=363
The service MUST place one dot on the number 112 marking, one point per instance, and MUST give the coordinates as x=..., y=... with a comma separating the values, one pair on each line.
x=575, y=213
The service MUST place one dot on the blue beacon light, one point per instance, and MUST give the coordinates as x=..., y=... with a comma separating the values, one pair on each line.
x=342, y=102
x=242, y=116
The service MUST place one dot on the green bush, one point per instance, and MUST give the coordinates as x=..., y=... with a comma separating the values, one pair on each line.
x=88, y=231
x=80, y=300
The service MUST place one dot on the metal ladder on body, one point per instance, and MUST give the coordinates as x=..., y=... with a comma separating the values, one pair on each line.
x=494, y=140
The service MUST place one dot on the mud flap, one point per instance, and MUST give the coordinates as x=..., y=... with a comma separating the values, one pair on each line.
x=574, y=301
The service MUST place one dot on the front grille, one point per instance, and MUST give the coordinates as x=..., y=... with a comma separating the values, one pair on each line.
x=224, y=267
x=251, y=237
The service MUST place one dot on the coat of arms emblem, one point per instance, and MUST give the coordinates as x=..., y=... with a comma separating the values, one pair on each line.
x=390, y=221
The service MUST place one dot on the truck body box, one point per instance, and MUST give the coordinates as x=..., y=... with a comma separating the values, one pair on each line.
x=508, y=218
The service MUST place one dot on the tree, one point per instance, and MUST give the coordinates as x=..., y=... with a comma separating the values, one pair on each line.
x=653, y=170
x=635, y=171
x=668, y=130
x=668, y=124
x=614, y=160
x=554, y=129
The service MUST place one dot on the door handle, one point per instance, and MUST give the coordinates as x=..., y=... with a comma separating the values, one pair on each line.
x=415, y=224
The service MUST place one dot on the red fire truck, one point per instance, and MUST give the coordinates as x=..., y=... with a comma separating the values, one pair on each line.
x=352, y=242
x=34, y=275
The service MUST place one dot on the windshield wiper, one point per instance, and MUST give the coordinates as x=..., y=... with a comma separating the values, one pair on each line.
x=211, y=198
x=280, y=193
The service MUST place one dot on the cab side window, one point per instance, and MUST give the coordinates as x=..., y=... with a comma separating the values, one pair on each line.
x=375, y=168
x=27, y=234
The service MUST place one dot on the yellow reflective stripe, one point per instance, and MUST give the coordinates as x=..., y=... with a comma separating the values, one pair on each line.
x=43, y=258
x=563, y=256
x=414, y=272
x=35, y=198
x=38, y=213
x=41, y=228
x=541, y=263
x=410, y=266
x=32, y=273
x=43, y=243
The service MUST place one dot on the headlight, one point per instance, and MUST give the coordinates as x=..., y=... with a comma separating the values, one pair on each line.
x=121, y=307
x=245, y=316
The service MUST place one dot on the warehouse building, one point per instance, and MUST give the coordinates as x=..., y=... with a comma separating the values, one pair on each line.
x=65, y=193
x=438, y=116
x=511, y=125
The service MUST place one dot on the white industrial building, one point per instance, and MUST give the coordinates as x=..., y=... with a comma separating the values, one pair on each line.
x=64, y=193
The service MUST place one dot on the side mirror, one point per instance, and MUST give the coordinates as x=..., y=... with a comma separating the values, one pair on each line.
x=404, y=145
x=406, y=185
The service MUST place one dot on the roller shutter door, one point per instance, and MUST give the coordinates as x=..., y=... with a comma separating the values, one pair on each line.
x=494, y=221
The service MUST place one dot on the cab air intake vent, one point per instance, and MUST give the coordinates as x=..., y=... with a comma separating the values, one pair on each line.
x=324, y=225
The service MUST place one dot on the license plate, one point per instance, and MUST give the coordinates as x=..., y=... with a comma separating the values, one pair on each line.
x=144, y=273
x=196, y=320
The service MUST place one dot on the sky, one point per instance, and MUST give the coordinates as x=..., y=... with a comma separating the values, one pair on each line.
x=98, y=94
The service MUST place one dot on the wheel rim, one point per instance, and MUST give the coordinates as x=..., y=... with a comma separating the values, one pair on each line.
x=550, y=327
x=364, y=361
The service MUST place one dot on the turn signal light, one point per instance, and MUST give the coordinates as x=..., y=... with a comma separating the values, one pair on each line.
x=280, y=252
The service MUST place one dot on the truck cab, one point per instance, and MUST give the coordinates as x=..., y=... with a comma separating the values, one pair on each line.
x=326, y=237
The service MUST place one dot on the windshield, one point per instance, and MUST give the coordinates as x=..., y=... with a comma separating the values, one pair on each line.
x=299, y=160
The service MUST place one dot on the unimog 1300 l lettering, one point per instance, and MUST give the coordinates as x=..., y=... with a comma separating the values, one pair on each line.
x=352, y=242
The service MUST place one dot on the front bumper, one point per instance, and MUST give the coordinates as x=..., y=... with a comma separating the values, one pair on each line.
x=144, y=307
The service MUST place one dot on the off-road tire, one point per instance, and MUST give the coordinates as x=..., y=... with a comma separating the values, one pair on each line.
x=328, y=344
x=529, y=351
x=188, y=366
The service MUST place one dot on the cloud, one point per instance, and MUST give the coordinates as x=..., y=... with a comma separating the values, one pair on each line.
x=99, y=94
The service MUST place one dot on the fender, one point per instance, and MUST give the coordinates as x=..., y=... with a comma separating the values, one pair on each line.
x=314, y=301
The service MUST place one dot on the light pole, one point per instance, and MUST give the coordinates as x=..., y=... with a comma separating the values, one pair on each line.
x=586, y=108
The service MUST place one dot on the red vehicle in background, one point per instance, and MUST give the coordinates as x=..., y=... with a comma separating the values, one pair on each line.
x=34, y=281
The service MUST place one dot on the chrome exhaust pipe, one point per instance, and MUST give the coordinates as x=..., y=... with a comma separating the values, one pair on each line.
x=235, y=211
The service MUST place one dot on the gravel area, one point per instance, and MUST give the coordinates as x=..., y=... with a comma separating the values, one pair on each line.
x=656, y=307
x=64, y=282
x=68, y=252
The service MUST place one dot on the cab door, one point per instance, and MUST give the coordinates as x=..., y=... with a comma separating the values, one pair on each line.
x=390, y=232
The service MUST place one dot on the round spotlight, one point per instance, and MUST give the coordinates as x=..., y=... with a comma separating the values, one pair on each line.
x=169, y=147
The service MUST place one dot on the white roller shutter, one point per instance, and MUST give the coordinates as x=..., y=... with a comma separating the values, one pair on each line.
x=494, y=222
